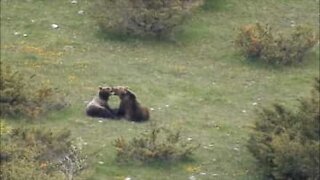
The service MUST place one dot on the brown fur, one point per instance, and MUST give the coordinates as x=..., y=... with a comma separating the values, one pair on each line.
x=129, y=107
x=99, y=107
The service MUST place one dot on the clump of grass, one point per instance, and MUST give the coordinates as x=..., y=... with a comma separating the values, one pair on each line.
x=157, y=145
x=19, y=96
x=258, y=41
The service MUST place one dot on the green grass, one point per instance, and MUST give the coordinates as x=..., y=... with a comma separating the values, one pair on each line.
x=202, y=77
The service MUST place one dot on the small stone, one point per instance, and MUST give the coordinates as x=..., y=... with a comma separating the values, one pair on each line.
x=74, y=2
x=25, y=35
x=159, y=108
x=236, y=149
x=32, y=20
x=16, y=33
x=244, y=111
x=192, y=178
x=211, y=145
x=167, y=105
x=189, y=138
x=215, y=174
x=255, y=103
x=100, y=121
x=81, y=12
x=203, y=173
x=54, y=26
x=151, y=109
x=127, y=178
x=101, y=162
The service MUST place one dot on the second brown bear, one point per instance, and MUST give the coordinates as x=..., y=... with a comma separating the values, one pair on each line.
x=129, y=107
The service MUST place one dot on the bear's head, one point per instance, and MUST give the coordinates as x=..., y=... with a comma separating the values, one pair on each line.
x=105, y=92
x=123, y=91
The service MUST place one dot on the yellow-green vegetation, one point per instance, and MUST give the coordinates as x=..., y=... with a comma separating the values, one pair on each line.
x=19, y=96
x=260, y=42
x=200, y=85
x=156, y=145
x=37, y=153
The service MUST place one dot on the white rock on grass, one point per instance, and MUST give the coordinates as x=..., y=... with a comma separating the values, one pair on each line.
x=127, y=178
x=80, y=12
x=25, y=35
x=74, y=2
x=54, y=26
x=236, y=149
x=16, y=33
x=101, y=162
x=192, y=178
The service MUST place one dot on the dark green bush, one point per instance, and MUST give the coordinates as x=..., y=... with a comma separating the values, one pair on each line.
x=40, y=154
x=158, y=144
x=286, y=143
x=260, y=42
x=157, y=18
x=19, y=96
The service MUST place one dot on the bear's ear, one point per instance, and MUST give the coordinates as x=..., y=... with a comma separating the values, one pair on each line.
x=100, y=87
x=131, y=94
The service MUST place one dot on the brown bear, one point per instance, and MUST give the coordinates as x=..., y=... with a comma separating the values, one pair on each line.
x=129, y=107
x=99, y=107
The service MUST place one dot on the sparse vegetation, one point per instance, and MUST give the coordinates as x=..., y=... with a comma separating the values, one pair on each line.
x=20, y=97
x=286, y=143
x=156, y=145
x=260, y=42
x=34, y=153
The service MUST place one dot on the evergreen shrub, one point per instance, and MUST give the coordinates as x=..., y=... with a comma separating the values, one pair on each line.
x=286, y=142
x=157, y=18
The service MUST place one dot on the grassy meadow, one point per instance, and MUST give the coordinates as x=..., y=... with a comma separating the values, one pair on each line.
x=199, y=84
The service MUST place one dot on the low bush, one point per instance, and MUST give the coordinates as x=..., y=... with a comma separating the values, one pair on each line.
x=157, y=18
x=40, y=154
x=260, y=42
x=19, y=96
x=286, y=143
x=158, y=144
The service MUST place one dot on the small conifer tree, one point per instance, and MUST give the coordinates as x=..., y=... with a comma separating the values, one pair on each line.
x=286, y=143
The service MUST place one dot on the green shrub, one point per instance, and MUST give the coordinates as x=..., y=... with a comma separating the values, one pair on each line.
x=286, y=143
x=19, y=96
x=157, y=18
x=40, y=154
x=260, y=42
x=158, y=144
